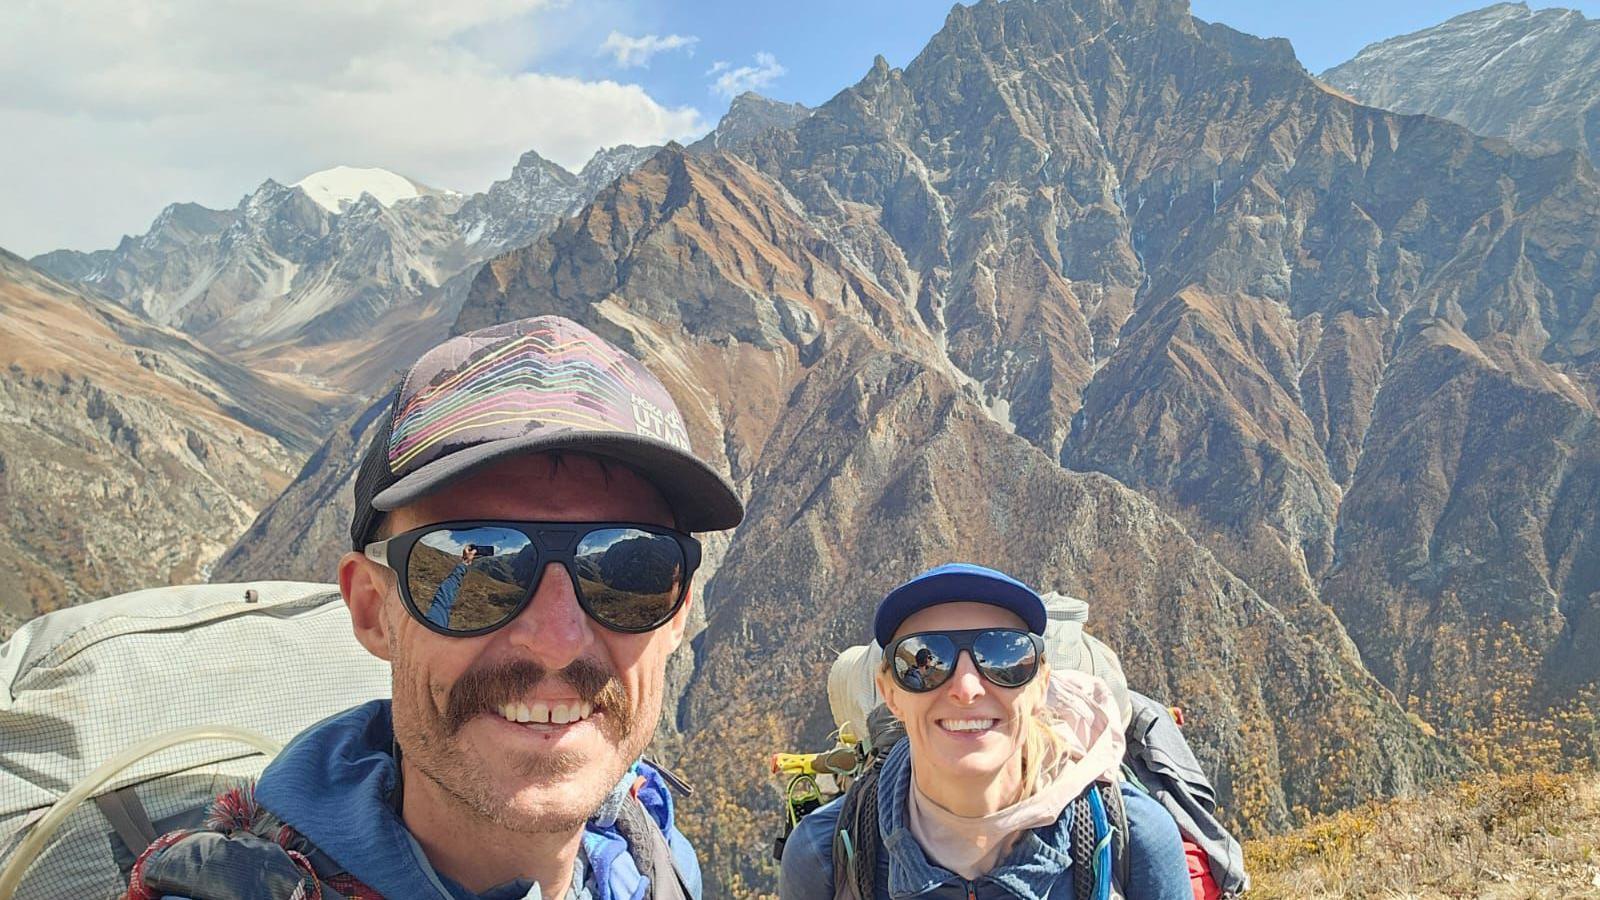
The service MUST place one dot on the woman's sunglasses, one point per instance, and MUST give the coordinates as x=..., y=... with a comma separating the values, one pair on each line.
x=465, y=579
x=1007, y=657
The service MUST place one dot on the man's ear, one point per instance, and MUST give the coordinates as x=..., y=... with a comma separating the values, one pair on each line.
x=365, y=586
x=679, y=623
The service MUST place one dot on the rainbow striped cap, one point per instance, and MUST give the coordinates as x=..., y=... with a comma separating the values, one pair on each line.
x=529, y=386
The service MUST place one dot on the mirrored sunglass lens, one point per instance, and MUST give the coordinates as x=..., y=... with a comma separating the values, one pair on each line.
x=1007, y=657
x=465, y=579
x=922, y=662
x=630, y=579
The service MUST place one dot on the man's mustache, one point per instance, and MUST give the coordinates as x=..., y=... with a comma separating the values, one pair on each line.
x=486, y=690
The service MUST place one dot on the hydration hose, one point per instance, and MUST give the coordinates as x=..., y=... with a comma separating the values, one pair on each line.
x=30, y=848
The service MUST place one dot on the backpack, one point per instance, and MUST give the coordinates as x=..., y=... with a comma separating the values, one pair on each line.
x=1160, y=761
x=125, y=718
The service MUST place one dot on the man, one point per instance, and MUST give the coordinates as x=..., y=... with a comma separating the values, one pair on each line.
x=508, y=764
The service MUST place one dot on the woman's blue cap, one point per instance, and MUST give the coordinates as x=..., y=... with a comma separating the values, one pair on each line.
x=954, y=582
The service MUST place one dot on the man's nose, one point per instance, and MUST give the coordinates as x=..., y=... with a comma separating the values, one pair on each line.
x=553, y=630
x=965, y=685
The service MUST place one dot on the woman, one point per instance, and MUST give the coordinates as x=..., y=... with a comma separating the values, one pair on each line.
x=977, y=801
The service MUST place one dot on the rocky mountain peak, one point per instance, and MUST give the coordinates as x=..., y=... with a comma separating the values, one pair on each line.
x=1529, y=76
x=750, y=115
x=608, y=163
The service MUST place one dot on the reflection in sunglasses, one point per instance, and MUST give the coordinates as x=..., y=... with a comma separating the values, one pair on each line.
x=1005, y=657
x=475, y=578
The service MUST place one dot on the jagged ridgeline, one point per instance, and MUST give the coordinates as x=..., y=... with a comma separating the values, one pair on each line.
x=339, y=279
x=1298, y=393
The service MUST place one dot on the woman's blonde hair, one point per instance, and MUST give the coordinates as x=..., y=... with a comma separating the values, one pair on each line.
x=1041, y=743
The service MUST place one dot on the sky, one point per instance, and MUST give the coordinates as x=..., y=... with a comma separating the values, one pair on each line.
x=114, y=108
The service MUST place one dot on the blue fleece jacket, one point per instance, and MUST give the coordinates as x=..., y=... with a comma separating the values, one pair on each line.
x=1036, y=869
x=334, y=784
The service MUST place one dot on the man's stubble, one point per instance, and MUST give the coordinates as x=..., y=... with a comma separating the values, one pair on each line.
x=430, y=739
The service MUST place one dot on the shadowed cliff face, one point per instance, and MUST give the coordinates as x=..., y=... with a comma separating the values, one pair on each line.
x=1163, y=252
x=1339, y=365
x=131, y=456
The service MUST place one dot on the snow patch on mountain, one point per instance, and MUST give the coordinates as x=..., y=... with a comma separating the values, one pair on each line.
x=334, y=189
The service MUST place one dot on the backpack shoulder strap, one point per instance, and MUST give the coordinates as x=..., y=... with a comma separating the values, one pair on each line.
x=856, y=840
x=652, y=855
x=1117, y=813
x=1087, y=830
x=1082, y=838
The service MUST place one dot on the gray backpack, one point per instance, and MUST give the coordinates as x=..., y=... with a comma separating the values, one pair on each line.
x=124, y=718
x=1160, y=761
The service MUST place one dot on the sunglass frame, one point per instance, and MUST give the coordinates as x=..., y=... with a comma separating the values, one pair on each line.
x=963, y=639
x=556, y=542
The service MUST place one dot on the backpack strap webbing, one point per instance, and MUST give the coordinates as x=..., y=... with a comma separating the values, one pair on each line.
x=128, y=817
x=856, y=840
x=651, y=853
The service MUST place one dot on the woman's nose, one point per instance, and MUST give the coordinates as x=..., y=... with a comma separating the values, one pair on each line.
x=965, y=685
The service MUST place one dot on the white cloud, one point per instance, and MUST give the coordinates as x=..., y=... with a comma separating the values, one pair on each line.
x=636, y=51
x=113, y=108
x=731, y=81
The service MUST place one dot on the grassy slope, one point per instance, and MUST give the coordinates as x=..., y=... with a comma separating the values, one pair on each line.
x=1521, y=836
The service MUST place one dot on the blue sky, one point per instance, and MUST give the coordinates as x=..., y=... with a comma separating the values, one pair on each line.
x=115, y=108
x=826, y=45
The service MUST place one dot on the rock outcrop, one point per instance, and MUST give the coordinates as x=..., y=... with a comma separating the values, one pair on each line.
x=749, y=116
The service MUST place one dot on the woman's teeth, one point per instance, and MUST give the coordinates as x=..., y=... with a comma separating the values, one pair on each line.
x=968, y=724
x=547, y=713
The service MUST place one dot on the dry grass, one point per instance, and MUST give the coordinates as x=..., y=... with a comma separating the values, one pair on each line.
x=1499, y=836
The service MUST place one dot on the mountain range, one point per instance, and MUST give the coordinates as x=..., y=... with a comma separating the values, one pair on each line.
x=338, y=280
x=1299, y=393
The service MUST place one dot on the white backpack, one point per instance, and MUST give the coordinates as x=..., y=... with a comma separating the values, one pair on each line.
x=122, y=719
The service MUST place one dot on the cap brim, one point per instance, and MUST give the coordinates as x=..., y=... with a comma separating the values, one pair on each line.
x=701, y=499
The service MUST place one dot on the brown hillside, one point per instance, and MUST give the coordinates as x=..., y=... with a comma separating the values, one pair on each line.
x=1508, y=838
x=130, y=456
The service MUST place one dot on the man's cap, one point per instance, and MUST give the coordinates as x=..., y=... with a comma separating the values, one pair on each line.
x=531, y=386
x=952, y=583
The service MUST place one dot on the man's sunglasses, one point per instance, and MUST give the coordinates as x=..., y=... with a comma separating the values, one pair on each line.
x=1007, y=657
x=468, y=578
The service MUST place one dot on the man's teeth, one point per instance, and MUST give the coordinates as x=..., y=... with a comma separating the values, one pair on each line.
x=547, y=713
x=969, y=724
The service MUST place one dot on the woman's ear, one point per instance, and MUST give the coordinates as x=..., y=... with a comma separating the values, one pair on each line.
x=1038, y=690
x=886, y=691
